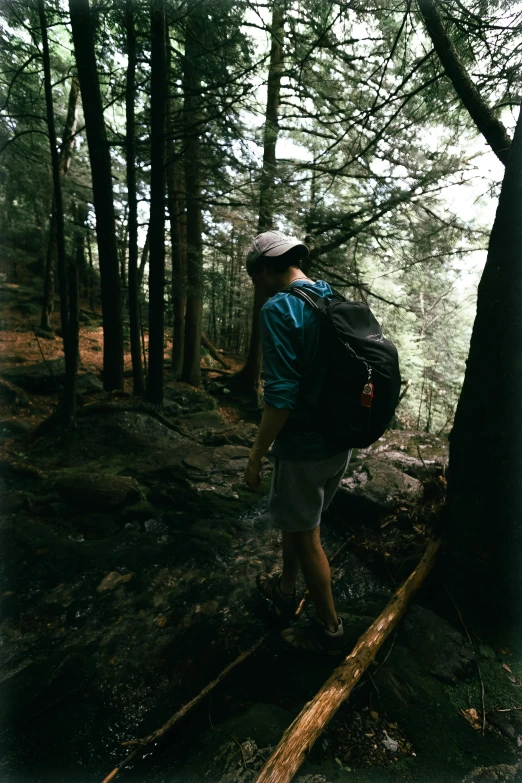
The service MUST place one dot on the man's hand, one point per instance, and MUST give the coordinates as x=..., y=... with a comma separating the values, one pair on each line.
x=253, y=473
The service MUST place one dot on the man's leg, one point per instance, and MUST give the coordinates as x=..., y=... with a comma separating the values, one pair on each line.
x=290, y=565
x=316, y=571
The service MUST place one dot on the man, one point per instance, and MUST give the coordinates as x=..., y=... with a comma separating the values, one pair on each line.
x=308, y=467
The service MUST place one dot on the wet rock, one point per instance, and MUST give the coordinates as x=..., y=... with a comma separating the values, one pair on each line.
x=155, y=527
x=439, y=647
x=98, y=490
x=498, y=773
x=372, y=487
x=113, y=580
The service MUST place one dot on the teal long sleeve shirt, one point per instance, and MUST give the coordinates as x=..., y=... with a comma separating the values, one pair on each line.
x=294, y=369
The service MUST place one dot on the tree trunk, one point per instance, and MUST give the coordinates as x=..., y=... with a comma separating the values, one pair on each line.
x=134, y=320
x=144, y=258
x=64, y=161
x=154, y=391
x=68, y=401
x=484, y=501
x=248, y=379
x=300, y=736
x=83, y=38
x=192, y=128
x=490, y=126
x=176, y=209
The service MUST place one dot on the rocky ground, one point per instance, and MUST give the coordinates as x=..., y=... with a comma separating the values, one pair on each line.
x=129, y=558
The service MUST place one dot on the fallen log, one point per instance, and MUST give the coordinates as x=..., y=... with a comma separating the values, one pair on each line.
x=299, y=737
x=213, y=351
x=157, y=735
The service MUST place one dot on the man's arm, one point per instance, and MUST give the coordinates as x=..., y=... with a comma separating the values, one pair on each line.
x=272, y=422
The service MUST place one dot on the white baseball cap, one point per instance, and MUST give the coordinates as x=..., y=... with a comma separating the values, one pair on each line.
x=271, y=243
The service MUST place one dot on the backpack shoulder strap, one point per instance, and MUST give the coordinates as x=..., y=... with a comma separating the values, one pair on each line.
x=314, y=299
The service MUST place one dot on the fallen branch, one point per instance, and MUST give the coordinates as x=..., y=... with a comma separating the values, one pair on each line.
x=213, y=351
x=299, y=737
x=143, y=743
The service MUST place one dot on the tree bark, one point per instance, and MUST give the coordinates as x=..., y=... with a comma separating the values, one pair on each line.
x=83, y=39
x=192, y=128
x=300, y=736
x=138, y=380
x=176, y=208
x=154, y=391
x=484, y=501
x=247, y=380
x=488, y=124
x=68, y=402
x=64, y=161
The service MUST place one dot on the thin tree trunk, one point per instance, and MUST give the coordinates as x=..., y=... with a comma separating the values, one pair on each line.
x=64, y=162
x=300, y=736
x=248, y=379
x=176, y=209
x=92, y=301
x=83, y=38
x=138, y=380
x=144, y=258
x=154, y=392
x=488, y=124
x=192, y=118
x=68, y=401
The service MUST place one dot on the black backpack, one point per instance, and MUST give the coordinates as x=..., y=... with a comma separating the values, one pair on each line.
x=362, y=382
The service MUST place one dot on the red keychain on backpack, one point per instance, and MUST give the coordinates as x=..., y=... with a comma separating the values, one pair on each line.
x=367, y=395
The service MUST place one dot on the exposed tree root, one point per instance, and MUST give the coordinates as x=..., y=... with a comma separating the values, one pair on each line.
x=307, y=727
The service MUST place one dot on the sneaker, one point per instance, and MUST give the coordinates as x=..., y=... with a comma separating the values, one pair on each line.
x=269, y=586
x=316, y=639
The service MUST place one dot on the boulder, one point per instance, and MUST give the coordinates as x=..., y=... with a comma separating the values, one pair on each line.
x=436, y=645
x=414, y=466
x=373, y=487
x=41, y=378
x=98, y=490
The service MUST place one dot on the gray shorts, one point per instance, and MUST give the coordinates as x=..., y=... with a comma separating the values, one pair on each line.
x=302, y=489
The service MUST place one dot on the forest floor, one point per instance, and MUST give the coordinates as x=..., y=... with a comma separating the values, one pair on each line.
x=129, y=559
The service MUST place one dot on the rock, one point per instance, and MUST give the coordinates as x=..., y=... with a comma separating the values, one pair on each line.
x=155, y=527
x=509, y=723
x=12, y=394
x=191, y=400
x=41, y=378
x=113, y=580
x=436, y=645
x=498, y=773
x=14, y=427
x=98, y=490
x=202, y=424
x=414, y=466
x=372, y=487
